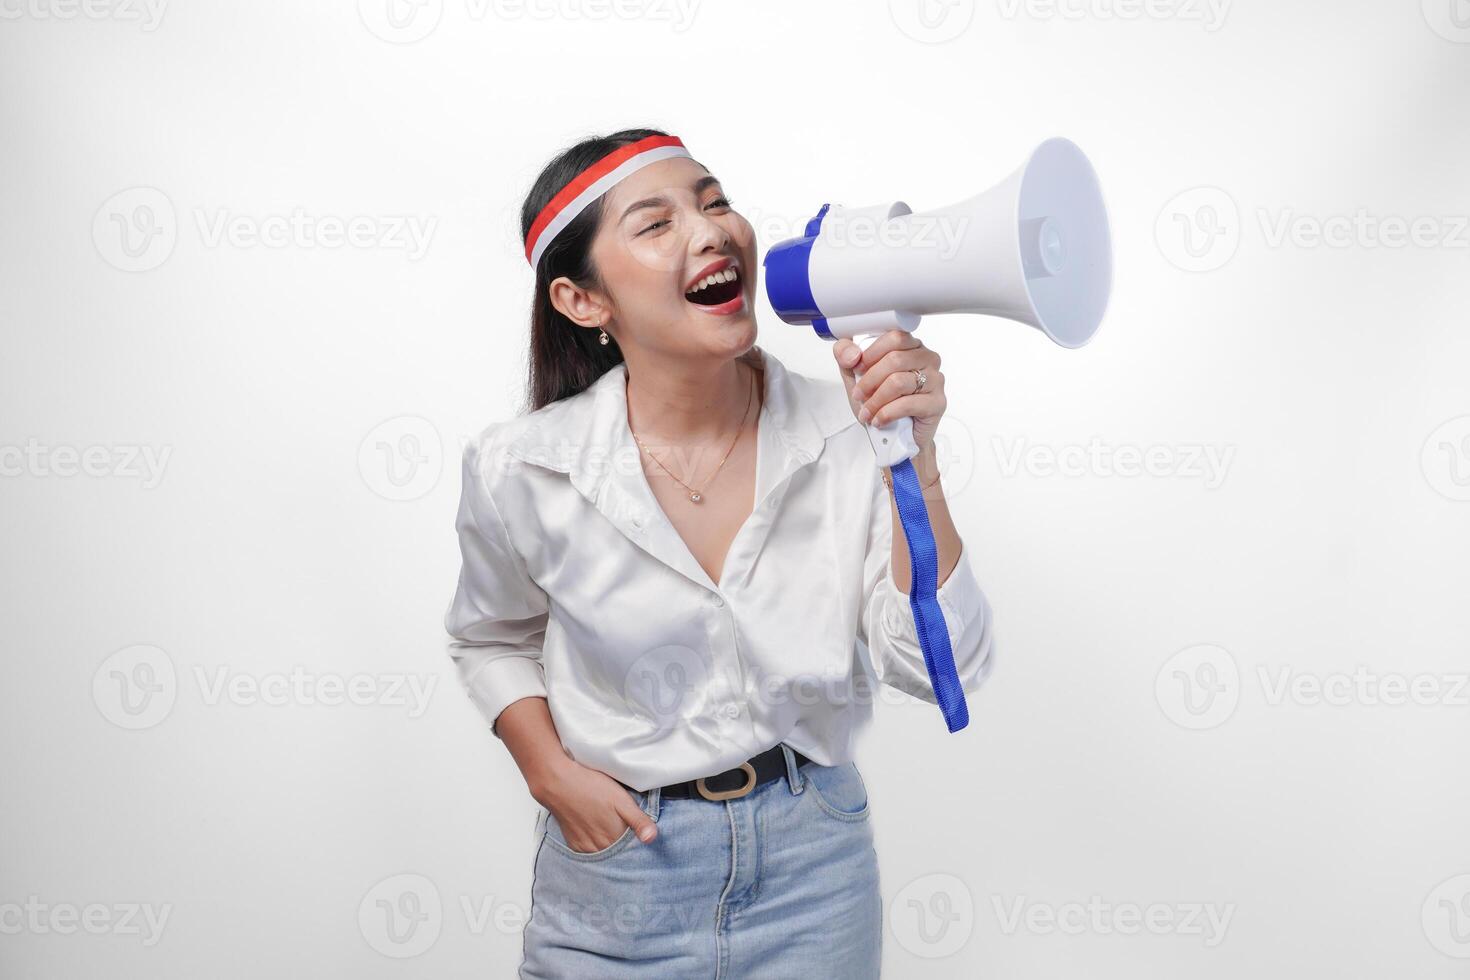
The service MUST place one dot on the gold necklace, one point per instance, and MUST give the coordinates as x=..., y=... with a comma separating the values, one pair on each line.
x=694, y=494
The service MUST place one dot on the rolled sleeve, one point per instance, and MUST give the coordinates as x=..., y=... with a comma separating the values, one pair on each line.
x=498, y=615
x=888, y=628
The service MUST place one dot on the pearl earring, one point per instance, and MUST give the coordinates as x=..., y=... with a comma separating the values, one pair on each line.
x=602, y=337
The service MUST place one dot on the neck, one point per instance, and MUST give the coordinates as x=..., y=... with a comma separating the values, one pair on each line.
x=688, y=402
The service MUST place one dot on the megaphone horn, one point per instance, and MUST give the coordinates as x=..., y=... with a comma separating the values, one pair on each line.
x=1034, y=248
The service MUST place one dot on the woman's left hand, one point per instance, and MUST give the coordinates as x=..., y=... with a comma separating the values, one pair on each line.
x=886, y=390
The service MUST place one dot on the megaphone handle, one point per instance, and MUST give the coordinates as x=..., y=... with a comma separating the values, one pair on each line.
x=894, y=442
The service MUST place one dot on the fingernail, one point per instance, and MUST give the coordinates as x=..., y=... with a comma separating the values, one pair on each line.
x=863, y=415
x=852, y=356
x=646, y=834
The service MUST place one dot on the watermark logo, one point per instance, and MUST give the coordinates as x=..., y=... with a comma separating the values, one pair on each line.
x=933, y=916
x=406, y=233
x=666, y=686
x=932, y=21
x=402, y=458
x=940, y=234
x=1209, y=921
x=1199, y=229
x=39, y=918
x=1186, y=461
x=409, y=21
x=401, y=916
x=1362, y=229
x=1362, y=687
x=1445, y=459
x=400, y=21
x=147, y=14
x=135, y=230
x=943, y=235
x=302, y=687
x=954, y=455
x=145, y=464
x=1198, y=687
x=135, y=688
x=1208, y=13
x=1450, y=19
x=1446, y=917
x=679, y=14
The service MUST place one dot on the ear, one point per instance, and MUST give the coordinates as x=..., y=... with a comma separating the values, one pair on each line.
x=582, y=306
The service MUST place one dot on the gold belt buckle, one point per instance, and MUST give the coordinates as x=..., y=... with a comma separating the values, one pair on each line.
x=728, y=794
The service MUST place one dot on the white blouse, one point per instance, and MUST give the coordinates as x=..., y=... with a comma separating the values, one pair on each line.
x=576, y=587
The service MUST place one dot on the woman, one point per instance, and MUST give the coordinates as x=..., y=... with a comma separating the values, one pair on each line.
x=680, y=580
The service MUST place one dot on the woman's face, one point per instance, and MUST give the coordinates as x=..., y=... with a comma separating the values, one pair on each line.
x=665, y=232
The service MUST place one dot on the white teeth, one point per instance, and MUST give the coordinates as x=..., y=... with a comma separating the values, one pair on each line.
x=728, y=275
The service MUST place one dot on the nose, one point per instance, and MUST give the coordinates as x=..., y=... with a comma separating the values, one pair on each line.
x=707, y=234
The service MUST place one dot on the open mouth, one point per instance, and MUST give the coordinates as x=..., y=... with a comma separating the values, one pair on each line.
x=712, y=290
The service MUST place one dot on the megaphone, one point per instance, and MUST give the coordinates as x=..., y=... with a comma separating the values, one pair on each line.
x=1034, y=248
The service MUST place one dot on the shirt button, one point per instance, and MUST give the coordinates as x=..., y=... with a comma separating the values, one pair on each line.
x=716, y=600
x=732, y=711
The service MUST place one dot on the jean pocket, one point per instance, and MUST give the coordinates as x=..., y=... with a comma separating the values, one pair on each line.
x=838, y=790
x=558, y=840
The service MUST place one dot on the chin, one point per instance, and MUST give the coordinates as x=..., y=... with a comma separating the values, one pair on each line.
x=731, y=338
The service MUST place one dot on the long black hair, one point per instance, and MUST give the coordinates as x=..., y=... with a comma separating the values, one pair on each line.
x=566, y=358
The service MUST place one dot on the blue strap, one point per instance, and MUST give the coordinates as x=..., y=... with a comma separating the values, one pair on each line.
x=923, y=583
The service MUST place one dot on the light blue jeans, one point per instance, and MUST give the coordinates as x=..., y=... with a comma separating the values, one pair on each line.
x=780, y=884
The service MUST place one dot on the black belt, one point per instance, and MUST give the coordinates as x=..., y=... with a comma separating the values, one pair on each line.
x=734, y=783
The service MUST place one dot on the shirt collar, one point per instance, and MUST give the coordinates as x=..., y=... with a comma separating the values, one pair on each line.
x=586, y=436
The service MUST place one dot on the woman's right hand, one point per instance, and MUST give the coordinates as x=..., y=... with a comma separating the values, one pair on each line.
x=592, y=808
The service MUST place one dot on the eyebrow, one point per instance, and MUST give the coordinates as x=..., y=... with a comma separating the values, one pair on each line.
x=656, y=202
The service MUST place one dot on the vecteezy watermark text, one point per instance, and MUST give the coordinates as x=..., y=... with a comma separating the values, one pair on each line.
x=136, y=688
x=40, y=918
x=147, y=14
x=1201, y=229
x=1210, y=14
x=410, y=21
x=136, y=230
x=408, y=233
x=1363, y=229
x=403, y=915
x=1187, y=461
x=39, y=460
x=1201, y=686
x=1097, y=917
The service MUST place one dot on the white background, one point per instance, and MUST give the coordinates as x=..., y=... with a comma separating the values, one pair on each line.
x=1133, y=750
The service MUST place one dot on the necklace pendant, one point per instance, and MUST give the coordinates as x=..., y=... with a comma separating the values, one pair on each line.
x=694, y=496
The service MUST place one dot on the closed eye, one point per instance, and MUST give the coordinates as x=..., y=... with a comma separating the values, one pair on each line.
x=719, y=202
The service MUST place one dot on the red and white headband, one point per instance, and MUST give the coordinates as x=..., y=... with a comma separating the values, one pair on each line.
x=594, y=182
